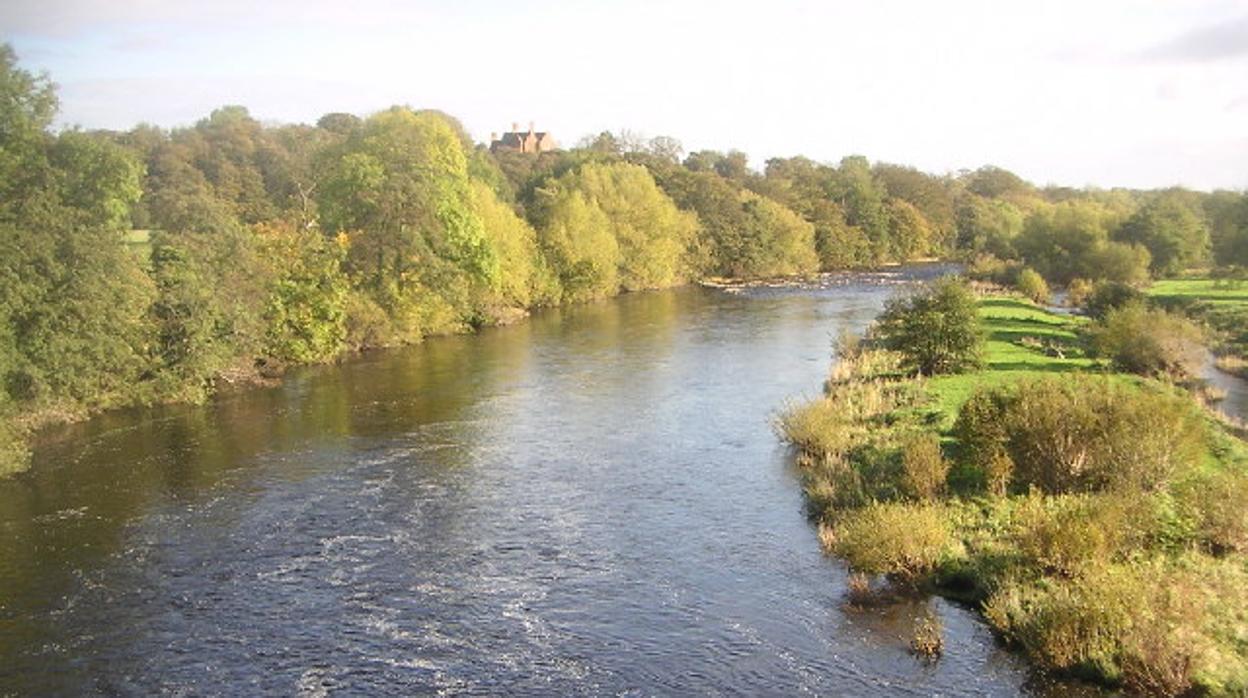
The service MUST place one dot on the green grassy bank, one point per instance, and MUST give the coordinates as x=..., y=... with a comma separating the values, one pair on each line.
x=1096, y=518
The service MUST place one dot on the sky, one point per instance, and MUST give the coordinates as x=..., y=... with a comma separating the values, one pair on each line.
x=1136, y=93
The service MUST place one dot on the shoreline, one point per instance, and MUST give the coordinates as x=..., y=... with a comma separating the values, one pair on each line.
x=1018, y=556
x=31, y=425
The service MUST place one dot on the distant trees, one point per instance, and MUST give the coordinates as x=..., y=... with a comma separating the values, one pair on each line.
x=1071, y=240
x=149, y=265
x=609, y=228
x=1173, y=232
x=744, y=235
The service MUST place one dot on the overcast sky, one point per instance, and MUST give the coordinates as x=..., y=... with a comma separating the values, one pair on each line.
x=1140, y=93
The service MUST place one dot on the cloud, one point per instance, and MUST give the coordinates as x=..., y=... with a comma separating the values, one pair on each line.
x=1224, y=40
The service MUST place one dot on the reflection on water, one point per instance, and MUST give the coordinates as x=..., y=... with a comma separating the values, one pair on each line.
x=1235, y=402
x=590, y=502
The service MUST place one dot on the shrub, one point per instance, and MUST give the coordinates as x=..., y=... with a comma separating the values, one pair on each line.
x=1077, y=292
x=1107, y=295
x=1148, y=342
x=1215, y=502
x=1050, y=429
x=1072, y=625
x=1080, y=433
x=1146, y=439
x=900, y=540
x=980, y=431
x=924, y=467
x=820, y=428
x=1032, y=285
x=1157, y=626
x=1061, y=535
x=936, y=329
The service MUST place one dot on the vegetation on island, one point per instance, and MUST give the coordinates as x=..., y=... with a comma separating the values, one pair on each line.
x=1053, y=470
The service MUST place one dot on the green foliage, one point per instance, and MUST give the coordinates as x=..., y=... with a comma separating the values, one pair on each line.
x=988, y=225
x=1081, y=434
x=896, y=539
x=1071, y=240
x=399, y=186
x=608, y=227
x=1149, y=342
x=205, y=314
x=305, y=318
x=523, y=279
x=924, y=467
x=743, y=235
x=1108, y=296
x=1175, y=235
x=1214, y=501
x=1033, y=286
x=936, y=329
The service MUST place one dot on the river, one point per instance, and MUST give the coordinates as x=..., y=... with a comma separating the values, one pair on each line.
x=589, y=502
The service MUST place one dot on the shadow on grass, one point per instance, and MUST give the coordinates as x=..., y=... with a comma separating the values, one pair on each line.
x=1016, y=337
x=1051, y=365
x=1007, y=303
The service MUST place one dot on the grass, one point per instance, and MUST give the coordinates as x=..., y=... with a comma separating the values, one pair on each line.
x=1213, y=291
x=1133, y=583
x=1021, y=341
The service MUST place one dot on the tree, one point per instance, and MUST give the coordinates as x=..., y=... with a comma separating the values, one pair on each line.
x=987, y=225
x=994, y=182
x=72, y=297
x=399, y=188
x=910, y=234
x=1175, y=235
x=861, y=197
x=936, y=329
x=1071, y=240
x=651, y=235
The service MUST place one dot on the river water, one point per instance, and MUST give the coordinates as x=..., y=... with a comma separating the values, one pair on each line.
x=590, y=502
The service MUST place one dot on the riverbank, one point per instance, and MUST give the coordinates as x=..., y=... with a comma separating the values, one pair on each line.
x=1095, y=518
x=1222, y=304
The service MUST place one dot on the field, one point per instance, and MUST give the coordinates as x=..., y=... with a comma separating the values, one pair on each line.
x=1022, y=341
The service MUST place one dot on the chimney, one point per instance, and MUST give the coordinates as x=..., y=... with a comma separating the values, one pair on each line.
x=515, y=127
x=493, y=137
x=530, y=127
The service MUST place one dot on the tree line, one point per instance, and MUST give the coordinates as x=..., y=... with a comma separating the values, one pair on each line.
x=154, y=264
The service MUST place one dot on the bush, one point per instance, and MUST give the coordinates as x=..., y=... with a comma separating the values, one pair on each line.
x=1074, y=626
x=900, y=540
x=1079, y=434
x=1032, y=285
x=1148, y=342
x=1215, y=502
x=1061, y=535
x=1077, y=292
x=980, y=431
x=1156, y=626
x=936, y=329
x=1107, y=295
x=924, y=468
